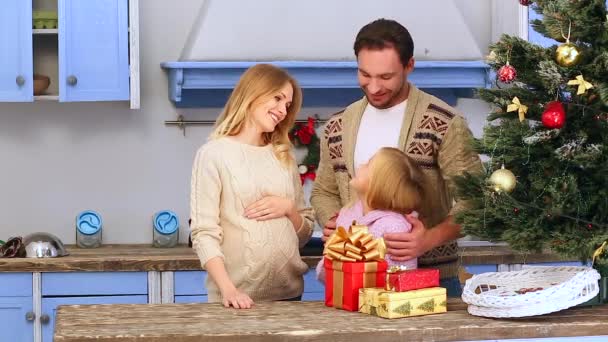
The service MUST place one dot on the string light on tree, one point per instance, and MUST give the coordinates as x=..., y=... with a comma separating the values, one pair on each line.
x=503, y=180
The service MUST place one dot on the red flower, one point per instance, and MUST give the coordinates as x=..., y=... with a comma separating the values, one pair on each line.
x=308, y=175
x=305, y=133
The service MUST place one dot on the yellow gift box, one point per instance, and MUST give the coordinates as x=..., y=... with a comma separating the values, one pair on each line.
x=389, y=304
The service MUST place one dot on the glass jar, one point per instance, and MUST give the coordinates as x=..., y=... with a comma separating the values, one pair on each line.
x=165, y=232
x=88, y=229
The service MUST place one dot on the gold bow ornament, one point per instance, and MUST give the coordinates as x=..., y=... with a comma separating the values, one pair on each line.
x=521, y=109
x=583, y=85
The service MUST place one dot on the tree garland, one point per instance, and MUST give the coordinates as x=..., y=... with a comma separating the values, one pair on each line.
x=304, y=135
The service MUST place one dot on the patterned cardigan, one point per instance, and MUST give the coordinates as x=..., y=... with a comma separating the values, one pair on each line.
x=433, y=134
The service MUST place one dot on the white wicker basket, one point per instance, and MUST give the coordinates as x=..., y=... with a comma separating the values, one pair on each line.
x=498, y=294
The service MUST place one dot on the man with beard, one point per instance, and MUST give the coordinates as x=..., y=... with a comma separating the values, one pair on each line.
x=394, y=113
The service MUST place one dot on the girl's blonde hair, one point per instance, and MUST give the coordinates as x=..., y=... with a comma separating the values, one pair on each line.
x=396, y=183
x=258, y=84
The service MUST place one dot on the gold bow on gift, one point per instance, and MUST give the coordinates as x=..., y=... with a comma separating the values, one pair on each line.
x=354, y=244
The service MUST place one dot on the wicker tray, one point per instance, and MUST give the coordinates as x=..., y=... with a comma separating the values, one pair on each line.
x=533, y=291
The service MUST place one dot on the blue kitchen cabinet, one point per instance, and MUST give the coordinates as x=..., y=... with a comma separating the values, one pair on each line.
x=91, y=56
x=313, y=289
x=16, y=307
x=49, y=308
x=73, y=288
x=16, y=319
x=93, y=50
x=16, y=65
x=189, y=287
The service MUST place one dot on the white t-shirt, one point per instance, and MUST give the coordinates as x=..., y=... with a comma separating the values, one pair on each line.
x=379, y=128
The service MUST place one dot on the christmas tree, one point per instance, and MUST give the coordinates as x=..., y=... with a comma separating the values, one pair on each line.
x=546, y=180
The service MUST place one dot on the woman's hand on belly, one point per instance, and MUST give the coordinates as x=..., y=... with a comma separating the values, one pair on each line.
x=270, y=207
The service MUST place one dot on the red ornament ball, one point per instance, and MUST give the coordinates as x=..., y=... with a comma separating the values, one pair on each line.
x=524, y=2
x=554, y=115
x=507, y=73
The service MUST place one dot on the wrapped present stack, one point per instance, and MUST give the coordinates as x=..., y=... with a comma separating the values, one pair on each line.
x=407, y=293
x=357, y=278
x=353, y=260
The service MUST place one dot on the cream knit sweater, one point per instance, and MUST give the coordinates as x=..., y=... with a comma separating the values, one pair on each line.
x=262, y=258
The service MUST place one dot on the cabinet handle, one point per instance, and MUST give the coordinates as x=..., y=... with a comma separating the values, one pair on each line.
x=44, y=319
x=72, y=80
x=30, y=316
x=20, y=80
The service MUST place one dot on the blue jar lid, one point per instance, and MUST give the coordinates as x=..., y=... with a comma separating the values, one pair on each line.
x=88, y=222
x=166, y=222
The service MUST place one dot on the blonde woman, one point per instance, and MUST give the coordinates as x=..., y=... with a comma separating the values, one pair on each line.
x=247, y=207
x=389, y=186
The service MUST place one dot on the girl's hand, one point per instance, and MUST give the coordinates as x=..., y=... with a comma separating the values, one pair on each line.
x=237, y=299
x=269, y=207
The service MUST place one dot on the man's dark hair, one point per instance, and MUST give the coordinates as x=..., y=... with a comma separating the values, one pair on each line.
x=383, y=33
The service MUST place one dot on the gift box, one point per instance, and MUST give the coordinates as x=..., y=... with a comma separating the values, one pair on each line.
x=343, y=280
x=400, y=279
x=353, y=260
x=389, y=304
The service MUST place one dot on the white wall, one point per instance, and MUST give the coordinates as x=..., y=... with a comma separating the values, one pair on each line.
x=307, y=30
x=57, y=159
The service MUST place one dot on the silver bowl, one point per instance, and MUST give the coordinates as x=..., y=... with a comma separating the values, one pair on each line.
x=43, y=245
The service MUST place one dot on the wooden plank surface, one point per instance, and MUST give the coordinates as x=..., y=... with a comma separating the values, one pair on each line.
x=182, y=258
x=307, y=321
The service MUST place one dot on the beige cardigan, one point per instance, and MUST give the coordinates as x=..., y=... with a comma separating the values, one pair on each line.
x=434, y=134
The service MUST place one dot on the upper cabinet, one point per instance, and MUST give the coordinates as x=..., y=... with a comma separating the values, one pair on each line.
x=16, y=70
x=93, y=50
x=90, y=52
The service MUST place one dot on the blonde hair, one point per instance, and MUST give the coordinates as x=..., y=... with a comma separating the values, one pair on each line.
x=396, y=183
x=257, y=84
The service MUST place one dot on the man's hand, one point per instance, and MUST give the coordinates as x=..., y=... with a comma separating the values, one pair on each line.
x=406, y=246
x=329, y=228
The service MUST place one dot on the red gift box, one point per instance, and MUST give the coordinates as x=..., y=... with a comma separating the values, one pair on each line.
x=344, y=279
x=406, y=280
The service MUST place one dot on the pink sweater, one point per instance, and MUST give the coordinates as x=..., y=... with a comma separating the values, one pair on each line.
x=379, y=222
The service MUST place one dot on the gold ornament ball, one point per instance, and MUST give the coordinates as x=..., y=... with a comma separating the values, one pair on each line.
x=567, y=54
x=503, y=180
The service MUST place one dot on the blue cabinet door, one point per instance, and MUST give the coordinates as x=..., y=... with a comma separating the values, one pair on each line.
x=16, y=70
x=13, y=323
x=93, y=50
x=49, y=307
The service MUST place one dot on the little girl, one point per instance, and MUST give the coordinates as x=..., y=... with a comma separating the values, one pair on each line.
x=389, y=186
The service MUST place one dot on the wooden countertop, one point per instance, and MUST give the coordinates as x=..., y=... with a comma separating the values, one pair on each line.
x=182, y=258
x=306, y=321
